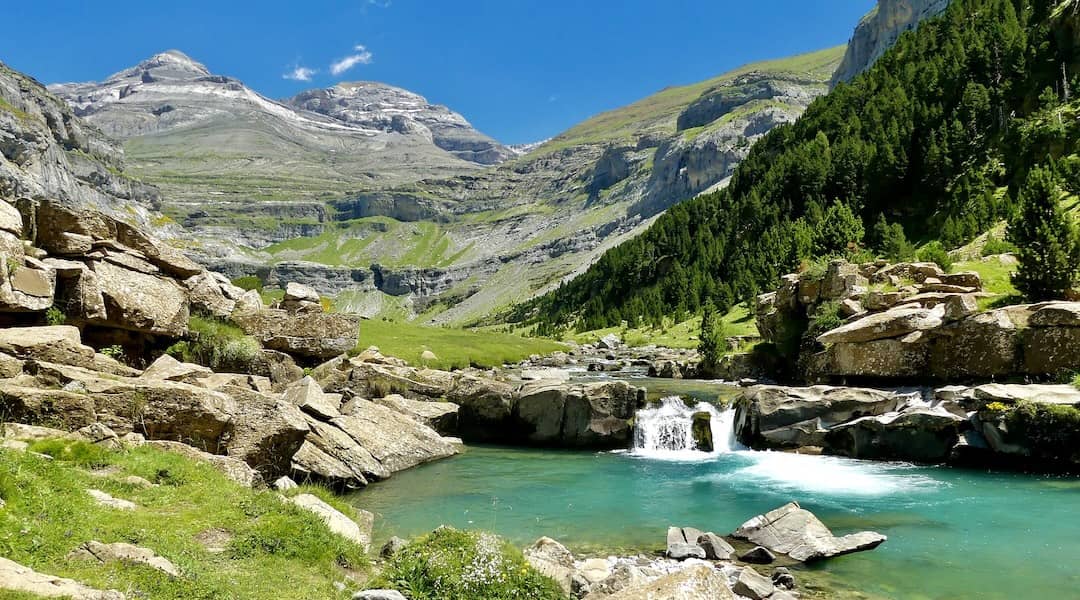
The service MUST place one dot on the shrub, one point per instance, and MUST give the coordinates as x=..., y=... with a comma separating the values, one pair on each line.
x=55, y=316
x=826, y=317
x=460, y=565
x=219, y=345
x=1050, y=430
x=115, y=352
x=995, y=246
x=712, y=343
x=935, y=252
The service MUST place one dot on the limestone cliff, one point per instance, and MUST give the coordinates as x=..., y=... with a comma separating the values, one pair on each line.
x=880, y=29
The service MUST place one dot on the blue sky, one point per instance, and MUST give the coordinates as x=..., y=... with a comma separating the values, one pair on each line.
x=520, y=70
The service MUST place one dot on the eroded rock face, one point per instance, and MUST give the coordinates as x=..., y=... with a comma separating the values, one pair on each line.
x=879, y=30
x=766, y=412
x=591, y=415
x=798, y=533
x=924, y=435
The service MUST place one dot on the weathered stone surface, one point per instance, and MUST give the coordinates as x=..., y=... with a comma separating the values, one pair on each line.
x=141, y=302
x=27, y=288
x=267, y=431
x=60, y=344
x=696, y=582
x=308, y=395
x=124, y=553
x=440, y=416
x=758, y=555
x=552, y=559
x=1013, y=393
x=99, y=435
x=396, y=441
x=33, y=404
x=10, y=219
x=334, y=519
x=378, y=595
x=312, y=463
x=308, y=334
x=895, y=323
x=167, y=368
x=764, y=409
x=798, y=533
x=297, y=292
x=79, y=291
x=590, y=415
x=249, y=301
x=1056, y=314
x=715, y=547
x=392, y=547
x=908, y=356
x=17, y=578
x=233, y=468
x=1051, y=350
x=923, y=434
x=682, y=543
x=983, y=345
x=208, y=295
x=842, y=280
x=752, y=585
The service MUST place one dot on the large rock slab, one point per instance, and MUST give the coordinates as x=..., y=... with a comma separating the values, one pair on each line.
x=167, y=368
x=922, y=434
x=58, y=344
x=777, y=413
x=553, y=560
x=696, y=582
x=440, y=416
x=32, y=404
x=395, y=440
x=124, y=553
x=309, y=396
x=894, y=323
x=313, y=335
x=904, y=357
x=346, y=455
x=983, y=345
x=267, y=431
x=798, y=533
x=18, y=578
x=139, y=301
x=595, y=415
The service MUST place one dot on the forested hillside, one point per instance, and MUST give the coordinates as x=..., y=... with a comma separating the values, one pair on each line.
x=935, y=137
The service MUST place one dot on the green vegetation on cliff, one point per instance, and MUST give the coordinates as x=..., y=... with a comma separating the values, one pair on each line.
x=226, y=540
x=957, y=110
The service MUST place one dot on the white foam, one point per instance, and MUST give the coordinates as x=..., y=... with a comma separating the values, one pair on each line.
x=825, y=475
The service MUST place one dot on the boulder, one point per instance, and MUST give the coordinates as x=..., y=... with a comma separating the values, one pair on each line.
x=33, y=404
x=921, y=434
x=26, y=285
x=682, y=543
x=763, y=410
x=428, y=356
x=752, y=585
x=284, y=484
x=798, y=533
x=985, y=345
x=396, y=441
x=167, y=368
x=1010, y=394
x=123, y=553
x=378, y=595
x=696, y=582
x=393, y=546
x=1056, y=314
x=553, y=560
x=209, y=295
x=440, y=416
x=278, y=367
x=715, y=547
x=332, y=455
x=99, y=435
x=701, y=431
x=968, y=279
x=596, y=415
x=249, y=301
x=108, y=501
x=609, y=342
x=335, y=520
x=139, y=301
x=18, y=578
x=312, y=463
x=908, y=356
x=894, y=323
x=312, y=335
x=78, y=291
x=1051, y=350
x=758, y=555
x=10, y=219
x=310, y=398
x=267, y=431
x=842, y=281
x=918, y=272
x=59, y=344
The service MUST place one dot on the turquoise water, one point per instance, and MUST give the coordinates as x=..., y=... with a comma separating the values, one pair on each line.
x=952, y=533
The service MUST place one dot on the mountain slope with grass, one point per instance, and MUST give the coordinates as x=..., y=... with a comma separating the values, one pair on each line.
x=935, y=137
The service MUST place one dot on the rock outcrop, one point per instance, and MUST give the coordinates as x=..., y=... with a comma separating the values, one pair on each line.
x=18, y=578
x=879, y=30
x=796, y=532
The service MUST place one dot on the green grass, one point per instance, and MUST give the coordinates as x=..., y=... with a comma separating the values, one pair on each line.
x=217, y=344
x=276, y=550
x=737, y=322
x=996, y=279
x=455, y=348
x=459, y=565
x=8, y=107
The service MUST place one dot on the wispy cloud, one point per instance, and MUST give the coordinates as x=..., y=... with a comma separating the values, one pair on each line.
x=299, y=73
x=379, y=3
x=361, y=56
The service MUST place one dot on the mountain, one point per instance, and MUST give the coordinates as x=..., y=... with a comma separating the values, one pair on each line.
x=382, y=107
x=46, y=151
x=225, y=155
x=879, y=30
x=935, y=137
x=457, y=249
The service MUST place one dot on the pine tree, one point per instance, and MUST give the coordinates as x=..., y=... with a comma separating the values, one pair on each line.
x=711, y=341
x=1049, y=251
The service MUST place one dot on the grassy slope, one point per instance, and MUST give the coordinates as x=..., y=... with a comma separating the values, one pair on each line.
x=662, y=109
x=277, y=551
x=455, y=348
x=738, y=322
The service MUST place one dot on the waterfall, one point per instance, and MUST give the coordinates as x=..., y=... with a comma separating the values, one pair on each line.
x=666, y=430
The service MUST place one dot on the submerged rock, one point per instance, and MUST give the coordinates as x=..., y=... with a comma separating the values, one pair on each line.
x=798, y=533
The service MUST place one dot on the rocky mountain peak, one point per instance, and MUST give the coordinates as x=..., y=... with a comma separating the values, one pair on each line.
x=171, y=64
x=383, y=107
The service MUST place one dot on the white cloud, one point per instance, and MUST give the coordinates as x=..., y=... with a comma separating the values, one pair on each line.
x=362, y=56
x=299, y=73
